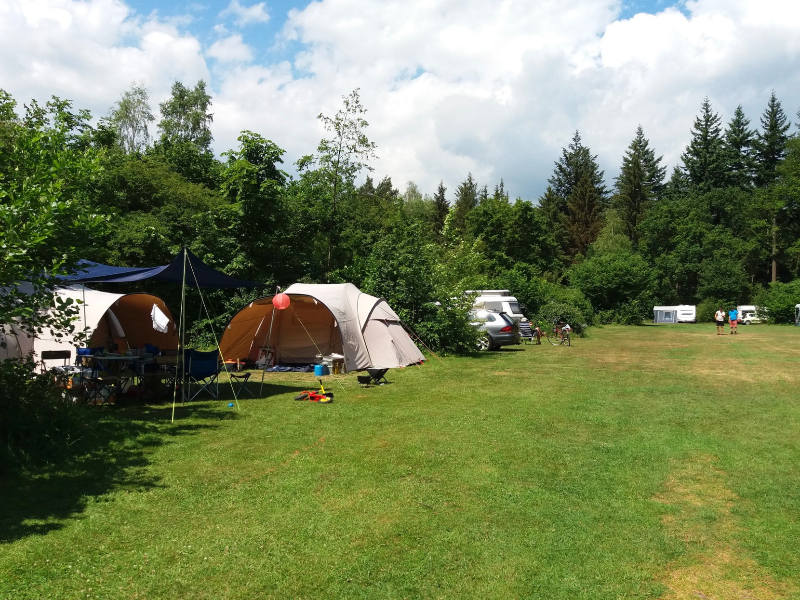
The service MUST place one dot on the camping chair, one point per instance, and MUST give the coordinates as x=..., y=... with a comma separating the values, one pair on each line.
x=60, y=373
x=54, y=355
x=102, y=386
x=525, y=332
x=240, y=384
x=202, y=369
x=158, y=381
x=378, y=375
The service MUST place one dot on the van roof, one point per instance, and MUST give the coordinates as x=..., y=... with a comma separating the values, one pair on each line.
x=489, y=292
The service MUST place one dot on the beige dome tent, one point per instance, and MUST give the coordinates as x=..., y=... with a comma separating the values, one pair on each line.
x=128, y=320
x=321, y=319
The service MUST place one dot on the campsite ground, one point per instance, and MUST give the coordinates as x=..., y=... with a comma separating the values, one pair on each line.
x=642, y=462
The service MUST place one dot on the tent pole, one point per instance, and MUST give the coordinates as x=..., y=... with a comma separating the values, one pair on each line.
x=336, y=379
x=85, y=325
x=269, y=342
x=181, y=336
x=408, y=328
x=211, y=326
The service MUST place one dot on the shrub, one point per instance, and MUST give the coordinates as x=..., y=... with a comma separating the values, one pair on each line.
x=618, y=285
x=708, y=307
x=779, y=300
x=38, y=422
x=560, y=310
x=446, y=329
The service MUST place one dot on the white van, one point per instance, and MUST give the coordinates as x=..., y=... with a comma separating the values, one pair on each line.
x=498, y=300
x=749, y=314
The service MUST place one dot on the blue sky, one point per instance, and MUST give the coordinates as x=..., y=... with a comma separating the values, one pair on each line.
x=495, y=88
x=204, y=16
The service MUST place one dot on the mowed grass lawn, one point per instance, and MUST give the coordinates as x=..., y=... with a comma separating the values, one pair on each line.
x=642, y=462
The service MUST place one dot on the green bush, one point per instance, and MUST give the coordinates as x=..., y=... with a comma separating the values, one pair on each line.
x=39, y=422
x=779, y=300
x=618, y=285
x=566, y=312
x=446, y=329
x=634, y=312
x=631, y=313
x=708, y=307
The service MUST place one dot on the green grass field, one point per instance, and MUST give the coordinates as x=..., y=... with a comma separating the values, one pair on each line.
x=642, y=462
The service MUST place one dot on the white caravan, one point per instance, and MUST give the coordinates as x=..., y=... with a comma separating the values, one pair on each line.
x=683, y=313
x=498, y=300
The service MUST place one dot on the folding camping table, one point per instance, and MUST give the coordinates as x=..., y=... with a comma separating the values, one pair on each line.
x=103, y=387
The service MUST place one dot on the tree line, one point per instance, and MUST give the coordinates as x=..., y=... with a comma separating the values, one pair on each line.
x=721, y=229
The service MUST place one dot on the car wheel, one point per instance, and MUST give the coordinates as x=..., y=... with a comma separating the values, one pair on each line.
x=747, y=322
x=484, y=342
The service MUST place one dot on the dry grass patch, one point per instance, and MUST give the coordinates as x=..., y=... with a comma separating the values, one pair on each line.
x=715, y=567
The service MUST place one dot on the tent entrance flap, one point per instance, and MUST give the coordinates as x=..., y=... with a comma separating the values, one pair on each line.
x=299, y=332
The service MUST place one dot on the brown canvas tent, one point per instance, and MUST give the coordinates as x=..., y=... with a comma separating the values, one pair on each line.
x=321, y=319
x=129, y=320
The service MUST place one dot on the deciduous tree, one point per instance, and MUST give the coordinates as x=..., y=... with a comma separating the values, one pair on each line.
x=342, y=157
x=131, y=117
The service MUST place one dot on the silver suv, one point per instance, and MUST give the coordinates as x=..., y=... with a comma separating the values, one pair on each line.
x=496, y=329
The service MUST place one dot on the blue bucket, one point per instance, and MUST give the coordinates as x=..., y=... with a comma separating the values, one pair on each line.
x=320, y=370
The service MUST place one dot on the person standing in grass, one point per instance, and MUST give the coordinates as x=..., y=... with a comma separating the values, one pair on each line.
x=733, y=316
x=719, y=317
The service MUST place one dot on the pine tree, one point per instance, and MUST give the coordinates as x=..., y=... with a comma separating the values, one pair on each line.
x=770, y=145
x=484, y=194
x=739, y=140
x=576, y=160
x=678, y=185
x=500, y=191
x=550, y=205
x=705, y=159
x=466, y=200
x=577, y=168
x=640, y=182
x=441, y=208
x=585, y=214
x=770, y=150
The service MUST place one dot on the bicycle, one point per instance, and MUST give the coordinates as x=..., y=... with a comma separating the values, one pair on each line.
x=559, y=334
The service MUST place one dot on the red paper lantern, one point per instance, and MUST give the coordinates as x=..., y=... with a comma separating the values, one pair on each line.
x=281, y=301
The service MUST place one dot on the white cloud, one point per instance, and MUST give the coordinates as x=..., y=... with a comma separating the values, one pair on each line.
x=231, y=49
x=90, y=52
x=507, y=83
x=246, y=15
x=496, y=88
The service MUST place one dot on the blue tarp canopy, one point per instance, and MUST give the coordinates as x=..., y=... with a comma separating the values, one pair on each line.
x=198, y=274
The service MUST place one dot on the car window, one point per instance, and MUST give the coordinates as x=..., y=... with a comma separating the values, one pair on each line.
x=514, y=307
x=498, y=306
x=506, y=318
x=481, y=316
